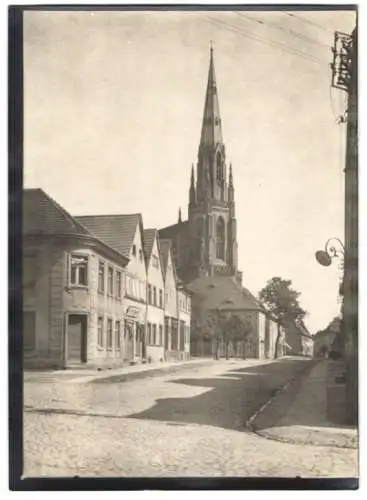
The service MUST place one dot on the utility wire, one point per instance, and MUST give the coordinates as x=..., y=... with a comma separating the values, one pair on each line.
x=284, y=48
x=309, y=22
x=273, y=25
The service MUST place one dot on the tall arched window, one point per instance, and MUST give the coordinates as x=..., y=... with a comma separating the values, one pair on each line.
x=219, y=166
x=220, y=235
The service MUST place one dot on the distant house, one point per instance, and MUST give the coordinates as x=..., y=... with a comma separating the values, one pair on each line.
x=177, y=307
x=223, y=294
x=124, y=233
x=72, y=314
x=297, y=340
x=155, y=294
x=328, y=339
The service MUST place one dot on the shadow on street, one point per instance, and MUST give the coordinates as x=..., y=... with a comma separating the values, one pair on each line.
x=227, y=400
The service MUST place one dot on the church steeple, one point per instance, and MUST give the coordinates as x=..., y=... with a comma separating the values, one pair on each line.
x=211, y=130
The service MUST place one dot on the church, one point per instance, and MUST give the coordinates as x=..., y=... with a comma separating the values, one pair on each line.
x=206, y=243
x=205, y=247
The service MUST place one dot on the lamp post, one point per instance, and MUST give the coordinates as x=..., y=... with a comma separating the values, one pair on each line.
x=330, y=252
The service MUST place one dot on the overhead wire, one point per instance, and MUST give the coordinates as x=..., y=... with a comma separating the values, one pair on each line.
x=284, y=48
x=294, y=33
x=290, y=14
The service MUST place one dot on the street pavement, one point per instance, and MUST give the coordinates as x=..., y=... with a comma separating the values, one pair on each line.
x=190, y=423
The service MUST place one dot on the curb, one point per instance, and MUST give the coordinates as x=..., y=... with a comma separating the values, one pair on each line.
x=288, y=389
x=153, y=372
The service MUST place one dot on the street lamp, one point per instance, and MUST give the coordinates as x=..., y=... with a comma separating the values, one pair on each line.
x=330, y=252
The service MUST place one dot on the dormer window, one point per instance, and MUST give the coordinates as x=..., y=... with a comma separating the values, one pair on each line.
x=155, y=261
x=140, y=254
x=134, y=250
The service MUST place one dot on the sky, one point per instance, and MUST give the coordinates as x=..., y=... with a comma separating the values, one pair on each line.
x=113, y=104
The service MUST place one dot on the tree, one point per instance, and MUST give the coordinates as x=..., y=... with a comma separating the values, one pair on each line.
x=227, y=328
x=282, y=302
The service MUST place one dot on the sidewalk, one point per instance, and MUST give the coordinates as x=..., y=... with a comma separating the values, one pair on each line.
x=124, y=373
x=305, y=422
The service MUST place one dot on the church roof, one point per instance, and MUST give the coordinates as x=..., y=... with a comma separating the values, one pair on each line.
x=224, y=292
x=170, y=232
x=117, y=231
x=211, y=131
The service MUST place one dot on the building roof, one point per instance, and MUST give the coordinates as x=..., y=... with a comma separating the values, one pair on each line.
x=171, y=232
x=224, y=292
x=149, y=236
x=118, y=231
x=164, y=247
x=43, y=215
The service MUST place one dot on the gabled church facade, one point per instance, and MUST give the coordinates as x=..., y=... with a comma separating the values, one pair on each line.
x=206, y=243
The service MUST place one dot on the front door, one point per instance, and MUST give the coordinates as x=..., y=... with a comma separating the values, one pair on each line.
x=77, y=338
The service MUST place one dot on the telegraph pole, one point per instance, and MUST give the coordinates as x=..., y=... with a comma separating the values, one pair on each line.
x=345, y=77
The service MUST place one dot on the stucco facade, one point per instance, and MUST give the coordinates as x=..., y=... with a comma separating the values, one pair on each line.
x=155, y=303
x=64, y=309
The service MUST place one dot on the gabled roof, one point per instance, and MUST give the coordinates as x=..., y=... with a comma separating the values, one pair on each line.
x=118, y=231
x=224, y=292
x=43, y=215
x=165, y=247
x=149, y=236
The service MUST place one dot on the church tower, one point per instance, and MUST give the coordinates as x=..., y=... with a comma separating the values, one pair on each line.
x=212, y=223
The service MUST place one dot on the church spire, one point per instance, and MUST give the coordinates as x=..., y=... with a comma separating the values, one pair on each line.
x=192, y=191
x=211, y=131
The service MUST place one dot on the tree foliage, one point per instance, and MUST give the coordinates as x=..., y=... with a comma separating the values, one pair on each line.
x=282, y=300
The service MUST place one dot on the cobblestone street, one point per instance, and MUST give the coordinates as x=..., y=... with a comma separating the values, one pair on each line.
x=187, y=424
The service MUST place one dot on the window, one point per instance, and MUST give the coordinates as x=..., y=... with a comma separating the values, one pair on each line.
x=110, y=281
x=166, y=297
x=154, y=296
x=160, y=335
x=140, y=254
x=219, y=167
x=220, y=238
x=79, y=270
x=155, y=261
x=149, y=333
x=101, y=277
x=134, y=250
x=118, y=284
x=154, y=334
x=149, y=294
x=160, y=298
x=188, y=304
x=142, y=291
x=117, y=334
x=29, y=331
x=109, y=332
x=29, y=271
x=100, y=331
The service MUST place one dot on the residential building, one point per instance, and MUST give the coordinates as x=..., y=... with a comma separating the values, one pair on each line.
x=182, y=342
x=170, y=298
x=155, y=297
x=72, y=314
x=222, y=294
x=124, y=233
x=298, y=341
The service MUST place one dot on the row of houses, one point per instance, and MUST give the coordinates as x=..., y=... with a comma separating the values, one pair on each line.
x=98, y=290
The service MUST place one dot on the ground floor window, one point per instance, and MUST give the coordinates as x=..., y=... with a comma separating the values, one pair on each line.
x=160, y=335
x=100, y=331
x=117, y=334
x=29, y=331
